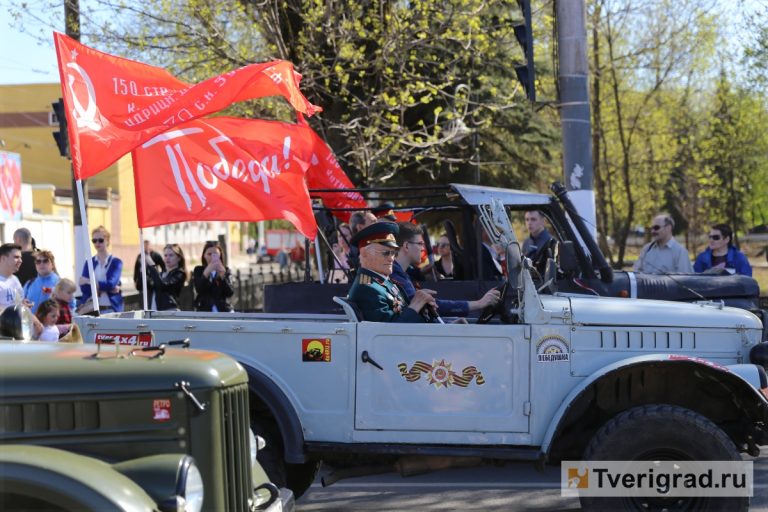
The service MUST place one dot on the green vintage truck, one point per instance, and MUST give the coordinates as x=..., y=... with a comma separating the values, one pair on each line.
x=100, y=428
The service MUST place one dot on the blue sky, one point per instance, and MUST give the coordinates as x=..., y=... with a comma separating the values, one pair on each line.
x=24, y=59
x=27, y=58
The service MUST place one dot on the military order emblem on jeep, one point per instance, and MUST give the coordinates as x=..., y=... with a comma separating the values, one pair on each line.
x=441, y=374
x=552, y=349
x=317, y=350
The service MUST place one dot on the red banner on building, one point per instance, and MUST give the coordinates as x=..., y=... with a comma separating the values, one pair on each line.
x=10, y=186
x=113, y=104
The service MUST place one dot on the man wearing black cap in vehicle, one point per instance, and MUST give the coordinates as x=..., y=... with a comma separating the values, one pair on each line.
x=378, y=298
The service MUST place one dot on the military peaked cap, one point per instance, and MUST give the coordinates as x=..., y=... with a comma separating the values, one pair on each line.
x=377, y=233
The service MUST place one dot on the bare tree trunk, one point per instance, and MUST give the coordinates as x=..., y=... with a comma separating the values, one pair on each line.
x=622, y=229
x=597, y=129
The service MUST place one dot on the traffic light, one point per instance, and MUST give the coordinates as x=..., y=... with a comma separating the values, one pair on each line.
x=524, y=34
x=61, y=137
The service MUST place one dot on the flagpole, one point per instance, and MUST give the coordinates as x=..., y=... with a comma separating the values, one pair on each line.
x=143, y=256
x=89, y=259
x=319, y=261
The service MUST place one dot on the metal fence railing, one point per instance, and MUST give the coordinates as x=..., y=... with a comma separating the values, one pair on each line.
x=249, y=288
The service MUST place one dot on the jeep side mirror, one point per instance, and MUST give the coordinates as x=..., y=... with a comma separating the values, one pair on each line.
x=568, y=262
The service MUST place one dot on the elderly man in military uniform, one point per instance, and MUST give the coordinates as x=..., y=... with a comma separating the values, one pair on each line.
x=377, y=297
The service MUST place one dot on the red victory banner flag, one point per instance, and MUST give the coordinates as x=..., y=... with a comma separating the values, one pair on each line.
x=326, y=173
x=226, y=168
x=114, y=105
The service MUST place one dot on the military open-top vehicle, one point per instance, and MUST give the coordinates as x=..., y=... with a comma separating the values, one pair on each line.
x=547, y=377
x=160, y=429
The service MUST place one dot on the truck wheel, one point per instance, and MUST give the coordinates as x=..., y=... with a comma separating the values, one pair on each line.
x=662, y=432
x=296, y=477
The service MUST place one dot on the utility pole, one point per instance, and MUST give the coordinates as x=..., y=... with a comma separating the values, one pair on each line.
x=72, y=29
x=573, y=81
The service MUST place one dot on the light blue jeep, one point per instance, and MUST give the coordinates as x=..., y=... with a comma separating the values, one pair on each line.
x=550, y=377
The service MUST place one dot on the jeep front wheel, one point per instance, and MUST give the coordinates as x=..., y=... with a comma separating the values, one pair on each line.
x=296, y=477
x=662, y=432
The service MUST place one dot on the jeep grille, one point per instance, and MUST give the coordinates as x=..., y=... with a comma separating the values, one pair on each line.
x=237, y=465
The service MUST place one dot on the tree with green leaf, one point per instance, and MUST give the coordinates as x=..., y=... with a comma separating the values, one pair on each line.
x=412, y=92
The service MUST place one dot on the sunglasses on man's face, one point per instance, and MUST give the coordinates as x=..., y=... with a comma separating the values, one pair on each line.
x=656, y=227
x=42, y=260
x=386, y=254
x=715, y=237
x=97, y=240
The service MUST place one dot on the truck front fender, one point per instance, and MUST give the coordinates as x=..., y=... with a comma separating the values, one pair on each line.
x=57, y=478
x=281, y=409
x=657, y=378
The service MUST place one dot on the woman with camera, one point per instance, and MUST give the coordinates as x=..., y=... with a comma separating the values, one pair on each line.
x=213, y=280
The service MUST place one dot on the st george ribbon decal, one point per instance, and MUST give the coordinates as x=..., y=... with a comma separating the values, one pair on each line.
x=441, y=374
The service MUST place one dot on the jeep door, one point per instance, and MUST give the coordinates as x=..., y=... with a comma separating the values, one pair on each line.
x=448, y=378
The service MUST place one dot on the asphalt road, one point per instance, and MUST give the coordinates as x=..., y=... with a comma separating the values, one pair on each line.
x=513, y=487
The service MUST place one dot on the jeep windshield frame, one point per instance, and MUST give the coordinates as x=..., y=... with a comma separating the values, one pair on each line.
x=465, y=199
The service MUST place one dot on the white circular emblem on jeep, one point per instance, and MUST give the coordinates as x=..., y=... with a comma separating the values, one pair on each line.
x=552, y=349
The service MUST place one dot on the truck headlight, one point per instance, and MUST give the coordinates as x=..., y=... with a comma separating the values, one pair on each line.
x=190, y=485
x=172, y=480
x=255, y=444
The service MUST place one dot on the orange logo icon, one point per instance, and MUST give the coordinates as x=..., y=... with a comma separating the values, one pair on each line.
x=318, y=350
x=577, y=480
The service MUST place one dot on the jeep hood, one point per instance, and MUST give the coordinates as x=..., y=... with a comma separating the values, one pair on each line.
x=658, y=313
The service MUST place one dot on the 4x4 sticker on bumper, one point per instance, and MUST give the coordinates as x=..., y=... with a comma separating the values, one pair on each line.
x=441, y=374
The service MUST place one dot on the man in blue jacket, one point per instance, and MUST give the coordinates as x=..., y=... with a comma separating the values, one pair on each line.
x=411, y=243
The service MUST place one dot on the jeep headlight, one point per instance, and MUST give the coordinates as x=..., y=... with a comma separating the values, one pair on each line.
x=190, y=485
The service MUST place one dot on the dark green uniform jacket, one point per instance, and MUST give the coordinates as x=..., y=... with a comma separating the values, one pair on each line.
x=381, y=300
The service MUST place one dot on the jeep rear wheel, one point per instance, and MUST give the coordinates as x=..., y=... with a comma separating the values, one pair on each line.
x=662, y=432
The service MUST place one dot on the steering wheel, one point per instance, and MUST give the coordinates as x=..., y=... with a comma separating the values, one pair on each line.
x=500, y=307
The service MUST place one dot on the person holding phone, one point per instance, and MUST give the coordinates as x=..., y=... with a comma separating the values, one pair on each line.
x=213, y=280
x=164, y=287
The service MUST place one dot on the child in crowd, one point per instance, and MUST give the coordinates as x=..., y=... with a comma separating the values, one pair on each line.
x=48, y=314
x=64, y=292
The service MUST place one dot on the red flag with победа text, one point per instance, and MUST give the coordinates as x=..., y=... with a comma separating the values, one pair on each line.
x=226, y=169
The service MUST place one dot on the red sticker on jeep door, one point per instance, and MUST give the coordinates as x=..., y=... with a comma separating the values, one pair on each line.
x=161, y=410
x=143, y=340
x=316, y=350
